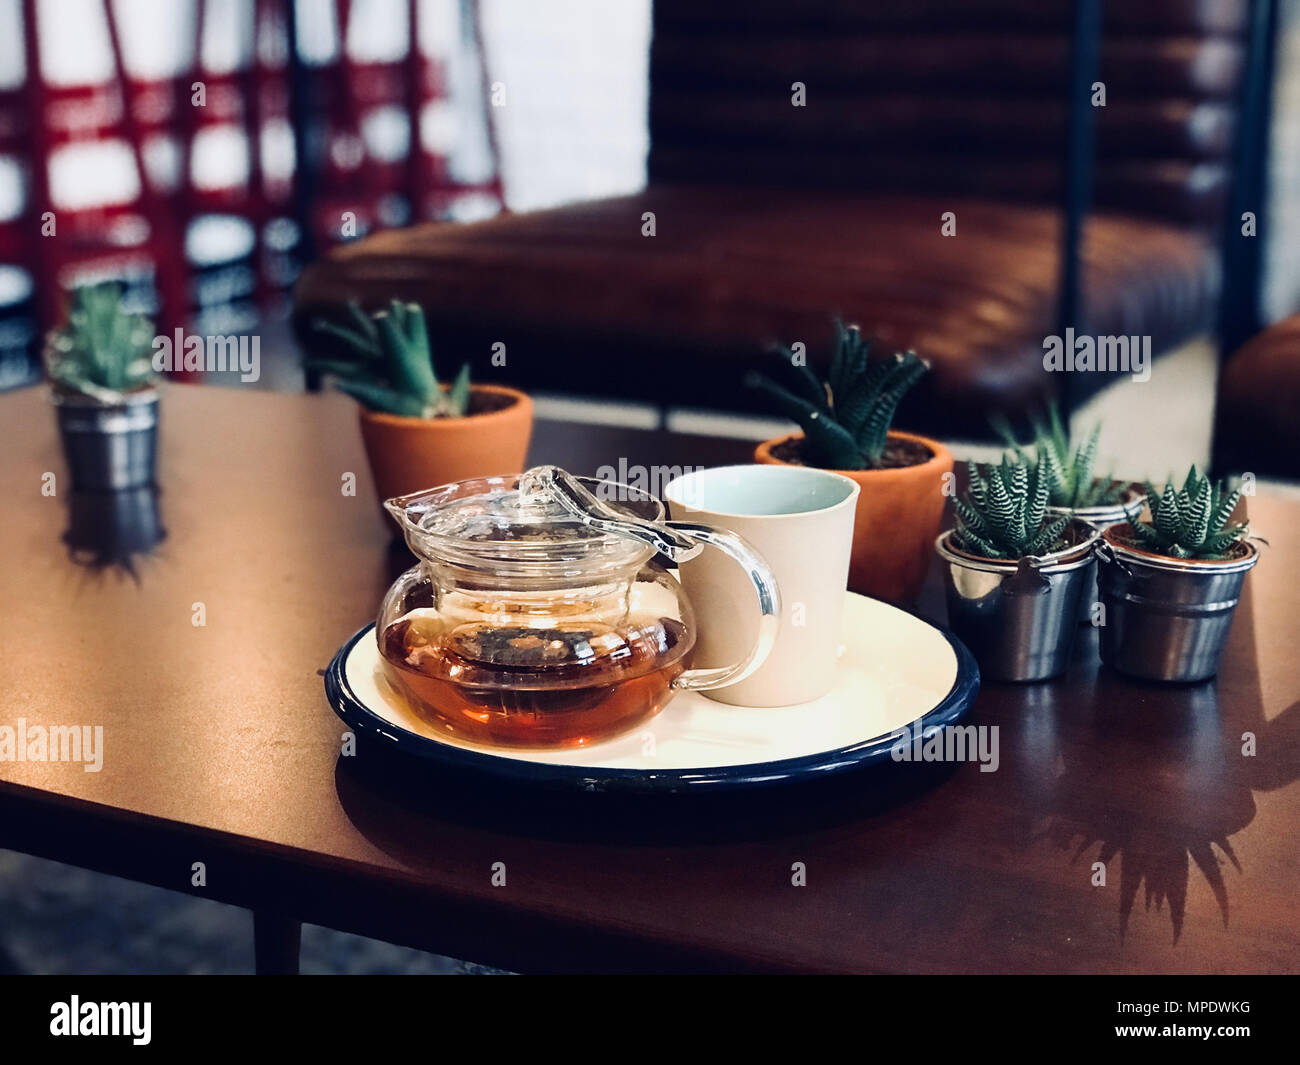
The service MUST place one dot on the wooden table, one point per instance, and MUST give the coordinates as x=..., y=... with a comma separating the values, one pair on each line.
x=220, y=749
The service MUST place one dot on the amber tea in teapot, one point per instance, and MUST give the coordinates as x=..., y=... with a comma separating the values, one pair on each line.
x=538, y=615
x=460, y=684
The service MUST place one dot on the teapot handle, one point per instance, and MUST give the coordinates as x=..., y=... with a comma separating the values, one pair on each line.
x=769, y=607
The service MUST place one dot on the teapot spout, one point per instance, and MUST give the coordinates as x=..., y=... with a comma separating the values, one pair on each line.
x=408, y=510
x=397, y=508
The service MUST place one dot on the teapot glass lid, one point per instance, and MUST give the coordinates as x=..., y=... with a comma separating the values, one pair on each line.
x=520, y=519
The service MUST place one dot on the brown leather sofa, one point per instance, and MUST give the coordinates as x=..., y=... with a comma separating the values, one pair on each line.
x=769, y=218
x=1258, y=415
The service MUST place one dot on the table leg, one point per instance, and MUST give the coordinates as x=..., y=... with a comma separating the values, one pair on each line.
x=276, y=943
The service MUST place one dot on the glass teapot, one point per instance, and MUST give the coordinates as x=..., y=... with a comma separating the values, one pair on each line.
x=540, y=613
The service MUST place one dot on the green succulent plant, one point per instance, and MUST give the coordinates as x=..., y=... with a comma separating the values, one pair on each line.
x=1003, y=513
x=846, y=418
x=102, y=351
x=1071, y=482
x=392, y=365
x=1190, y=522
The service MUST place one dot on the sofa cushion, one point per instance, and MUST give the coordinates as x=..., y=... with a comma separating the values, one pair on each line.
x=585, y=302
x=944, y=98
x=1257, y=423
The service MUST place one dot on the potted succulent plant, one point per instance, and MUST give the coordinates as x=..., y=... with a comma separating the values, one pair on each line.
x=846, y=428
x=1170, y=585
x=1015, y=573
x=418, y=432
x=1072, y=486
x=100, y=367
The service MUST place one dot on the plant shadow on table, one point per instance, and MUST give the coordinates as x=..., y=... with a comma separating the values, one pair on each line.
x=1160, y=782
x=113, y=530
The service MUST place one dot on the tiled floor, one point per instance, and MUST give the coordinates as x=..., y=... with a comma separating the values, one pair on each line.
x=58, y=919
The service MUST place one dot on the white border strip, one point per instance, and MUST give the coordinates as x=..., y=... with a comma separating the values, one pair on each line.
x=589, y=411
x=701, y=422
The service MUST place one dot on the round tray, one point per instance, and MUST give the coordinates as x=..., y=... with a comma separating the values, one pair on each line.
x=894, y=670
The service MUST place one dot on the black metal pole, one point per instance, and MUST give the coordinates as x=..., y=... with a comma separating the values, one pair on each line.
x=1239, y=305
x=1080, y=159
x=301, y=117
x=277, y=943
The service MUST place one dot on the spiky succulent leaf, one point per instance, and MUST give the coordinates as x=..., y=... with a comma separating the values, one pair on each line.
x=1223, y=508
x=363, y=346
x=362, y=322
x=457, y=398
x=874, y=431
x=1081, y=481
x=826, y=443
x=836, y=373
x=786, y=402
x=1147, y=536
x=849, y=428
x=1003, y=513
x=1190, y=521
x=1022, y=455
x=1016, y=477
x=377, y=397
x=1048, y=537
x=1057, y=431
x=406, y=344
x=832, y=446
x=391, y=369
x=102, y=351
x=855, y=357
x=970, y=517
x=1196, y=525
x=855, y=400
x=1039, y=495
x=1071, y=480
x=1184, y=495
x=1000, y=504
x=1166, y=518
x=981, y=545
x=803, y=382
x=978, y=489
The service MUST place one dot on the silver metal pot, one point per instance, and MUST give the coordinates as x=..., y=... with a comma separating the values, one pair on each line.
x=1167, y=618
x=109, y=448
x=1018, y=618
x=112, y=528
x=1103, y=518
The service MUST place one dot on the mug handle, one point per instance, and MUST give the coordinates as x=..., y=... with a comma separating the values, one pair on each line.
x=769, y=607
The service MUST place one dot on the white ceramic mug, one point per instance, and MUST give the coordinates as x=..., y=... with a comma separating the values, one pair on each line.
x=800, y=520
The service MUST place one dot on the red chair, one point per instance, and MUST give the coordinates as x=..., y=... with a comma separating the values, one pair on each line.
x=378, y=100
x=196, y=205
x=91, y=213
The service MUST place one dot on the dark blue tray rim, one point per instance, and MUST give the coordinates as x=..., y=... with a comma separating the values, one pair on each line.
x=952, y=708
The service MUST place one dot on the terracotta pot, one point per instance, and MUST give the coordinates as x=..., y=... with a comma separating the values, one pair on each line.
x=898, y=517
x=410, y=454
